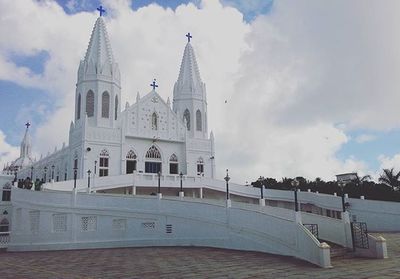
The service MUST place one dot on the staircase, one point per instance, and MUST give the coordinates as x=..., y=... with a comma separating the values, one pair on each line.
x=340, y=251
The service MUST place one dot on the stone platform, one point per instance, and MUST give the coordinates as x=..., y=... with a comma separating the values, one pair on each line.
x=189, y=262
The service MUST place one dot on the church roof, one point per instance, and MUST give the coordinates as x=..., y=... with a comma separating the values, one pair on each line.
x=189, y=74
x=99, y=49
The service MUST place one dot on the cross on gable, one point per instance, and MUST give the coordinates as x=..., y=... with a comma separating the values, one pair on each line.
x=154, y=85
x=189, y=37
x=101, y=10
x=27, y=124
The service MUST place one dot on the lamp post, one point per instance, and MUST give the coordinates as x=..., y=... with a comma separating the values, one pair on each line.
x=75, y=175
x=52, y=172
x=181, y=176
x=295, y=184
x=31, y=173
x=45, y=174
x=159, y=184
x=95, y=165
x=342, y=184
x=88, y=179
x=227, y=178
x=261, y=180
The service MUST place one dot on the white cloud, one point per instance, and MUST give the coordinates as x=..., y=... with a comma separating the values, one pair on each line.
x=8, y=152
x=365, y=138
x=289, y=77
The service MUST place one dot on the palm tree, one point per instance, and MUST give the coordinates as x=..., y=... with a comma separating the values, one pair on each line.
x=360, y=180
x=390, y=178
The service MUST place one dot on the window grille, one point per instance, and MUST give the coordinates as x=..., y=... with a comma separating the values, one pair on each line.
x=104, y=163
x=153, y=153
x=59, y=222
x=88, y=223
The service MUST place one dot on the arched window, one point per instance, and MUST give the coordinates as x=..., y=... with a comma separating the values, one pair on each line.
x=154, y=121
x=116, y=108
x=78, y=109
x=200, y=166
x=173, y=164
x=104, y=163
x=90, y=103
x=4, y=225
x=198, y=120
x=186, y=117
x=131, y=161
x=105, y=105
x=153, y=160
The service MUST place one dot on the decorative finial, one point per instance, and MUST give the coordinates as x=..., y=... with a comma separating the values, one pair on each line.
x=27, y=124
x=154, y=85
x=101, y=10
x=189, y=37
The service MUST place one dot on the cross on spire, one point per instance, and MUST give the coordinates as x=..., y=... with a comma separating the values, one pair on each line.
x=101, y=10
x=154, y=85
x=189, y=37
x=27, y=124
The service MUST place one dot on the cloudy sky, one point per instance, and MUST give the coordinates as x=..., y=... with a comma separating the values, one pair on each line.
x=312, y=87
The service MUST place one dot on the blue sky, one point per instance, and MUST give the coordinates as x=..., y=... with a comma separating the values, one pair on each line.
x=285, y=37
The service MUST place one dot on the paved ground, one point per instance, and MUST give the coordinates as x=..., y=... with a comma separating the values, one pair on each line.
x=188, y=263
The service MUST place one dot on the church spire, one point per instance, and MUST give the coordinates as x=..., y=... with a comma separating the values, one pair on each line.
x=26, y=144
x=99, y=58
x=189, y=79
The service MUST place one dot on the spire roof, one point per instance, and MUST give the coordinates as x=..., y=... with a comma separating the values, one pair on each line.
x=99, y=49
x=189, y=73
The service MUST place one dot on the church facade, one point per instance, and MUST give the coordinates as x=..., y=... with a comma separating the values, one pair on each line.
x=149, y=136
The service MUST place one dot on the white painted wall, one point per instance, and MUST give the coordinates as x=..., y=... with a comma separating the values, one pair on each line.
x=194, y=222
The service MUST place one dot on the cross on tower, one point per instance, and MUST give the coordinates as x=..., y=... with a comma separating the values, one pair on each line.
x=189, y=37
x=154, y=85
x=101, y=10
x=27, y=124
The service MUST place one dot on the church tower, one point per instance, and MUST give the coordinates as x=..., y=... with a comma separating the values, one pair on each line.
x=98, y=90
x=190, y=101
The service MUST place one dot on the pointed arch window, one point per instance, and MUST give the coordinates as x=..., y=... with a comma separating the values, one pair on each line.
x=186, y=117
x=116, y=108
x=198, y=120
x=104, y=163
x=173, y=164
x=153, y=160
x=131, y=162
x=154, y=121
x=200, y=166
x=90, y=103
x=105, y=105
x=78, y=109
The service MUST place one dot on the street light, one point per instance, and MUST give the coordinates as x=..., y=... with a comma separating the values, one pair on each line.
x=32, y=173
x=45, y=174
x=159, y=186
x=95, y=164
x=52, y=172
x=295, y=184
x=342, y=184
x=88, y=177
x=75, y=175
x=261, y=180
x=227, y=178
x=181, y=176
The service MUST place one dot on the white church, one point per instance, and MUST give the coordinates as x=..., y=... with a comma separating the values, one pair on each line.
x=149, y=136
x=98, y=190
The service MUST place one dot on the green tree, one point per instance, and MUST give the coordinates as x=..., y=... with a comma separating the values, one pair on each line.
x=390, y=178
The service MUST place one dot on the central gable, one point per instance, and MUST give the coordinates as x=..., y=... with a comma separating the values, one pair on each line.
x=152, y=117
